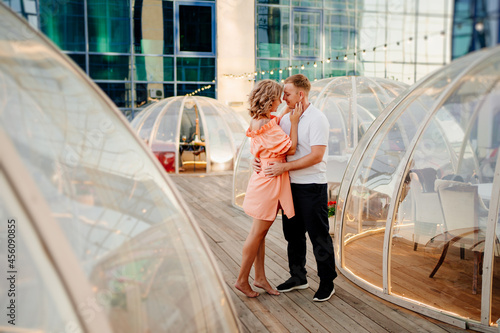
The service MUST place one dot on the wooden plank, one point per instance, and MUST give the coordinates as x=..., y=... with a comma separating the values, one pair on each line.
x=350, y=310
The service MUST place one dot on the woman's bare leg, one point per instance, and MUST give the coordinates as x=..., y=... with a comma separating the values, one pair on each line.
x=250, y=249
x=260, y=273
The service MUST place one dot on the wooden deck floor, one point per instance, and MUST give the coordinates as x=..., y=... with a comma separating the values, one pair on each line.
x=351, y=309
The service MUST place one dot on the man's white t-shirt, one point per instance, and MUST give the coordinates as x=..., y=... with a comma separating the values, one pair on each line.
x=313, y=131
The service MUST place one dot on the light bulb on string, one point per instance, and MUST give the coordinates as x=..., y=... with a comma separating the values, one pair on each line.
x=314, y=64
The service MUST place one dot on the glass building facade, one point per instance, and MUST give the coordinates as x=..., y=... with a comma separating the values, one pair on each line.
x=151, y=49
x=138, y=50
x=401, y=40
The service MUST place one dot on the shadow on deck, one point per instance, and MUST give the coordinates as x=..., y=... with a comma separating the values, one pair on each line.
x=351, y=309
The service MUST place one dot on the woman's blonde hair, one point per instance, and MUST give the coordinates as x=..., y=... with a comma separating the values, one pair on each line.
x=262, y=97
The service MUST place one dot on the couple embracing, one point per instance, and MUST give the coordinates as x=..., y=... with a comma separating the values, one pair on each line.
x=289, y=173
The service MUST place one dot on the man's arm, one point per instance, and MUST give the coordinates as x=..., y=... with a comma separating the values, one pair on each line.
x=277, y=168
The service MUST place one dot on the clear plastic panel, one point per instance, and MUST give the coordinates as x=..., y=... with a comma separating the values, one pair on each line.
x=495, y=296
x=243, y=170
x=164, y=145
x=148, y=122
x=440, y=227
x=367, y=203
x=336, y=139
x=30, y=279
x=235, y=123
x=192, y=145
x=221, y=148
x=124, y=223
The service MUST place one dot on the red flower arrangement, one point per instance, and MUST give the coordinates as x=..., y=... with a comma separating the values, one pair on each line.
x=331, y=208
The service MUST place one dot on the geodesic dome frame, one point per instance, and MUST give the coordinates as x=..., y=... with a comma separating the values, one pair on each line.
x=191, y=133
x=99, y=234
x=418, y=207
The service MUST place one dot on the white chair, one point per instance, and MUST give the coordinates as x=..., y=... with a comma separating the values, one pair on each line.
x=426, y=210
x=463, y=213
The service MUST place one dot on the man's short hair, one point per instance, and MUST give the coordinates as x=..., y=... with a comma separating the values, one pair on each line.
x=300, y=81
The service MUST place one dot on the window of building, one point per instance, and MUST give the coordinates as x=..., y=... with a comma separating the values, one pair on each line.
x=196, y=28
x=400, y=40
x=64, y=24
x=307, y=33
x=137, y=51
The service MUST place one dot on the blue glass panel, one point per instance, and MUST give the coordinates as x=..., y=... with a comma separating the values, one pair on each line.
x=154, y=35
x=306, y=33
x=119, y=93
x=339, y=32
x=272, y=69
x=195, y=28
x=64, y=23
x=273, y=25
x=108, y=67
x=156, y=69
x=344, y=4
x=109, y=25
x=275, y=2
x=196, y=69
x=80, y=60
x=307, y=3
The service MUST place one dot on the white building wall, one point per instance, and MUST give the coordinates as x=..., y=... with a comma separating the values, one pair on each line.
x=235, y=51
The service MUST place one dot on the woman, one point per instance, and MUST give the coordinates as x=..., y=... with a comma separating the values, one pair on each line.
x=266, y=195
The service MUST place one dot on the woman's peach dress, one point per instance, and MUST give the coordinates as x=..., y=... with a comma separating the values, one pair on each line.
x=265, y=195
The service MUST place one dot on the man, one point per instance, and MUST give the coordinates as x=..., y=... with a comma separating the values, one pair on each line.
x=307, y=169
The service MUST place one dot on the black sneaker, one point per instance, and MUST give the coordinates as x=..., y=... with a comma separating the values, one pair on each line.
x=325, y=292
x=292, y=284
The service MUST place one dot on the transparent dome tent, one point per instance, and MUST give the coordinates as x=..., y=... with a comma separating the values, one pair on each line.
x=418, y=209
x=103, y=242
x=191, y=133
x=351, y=104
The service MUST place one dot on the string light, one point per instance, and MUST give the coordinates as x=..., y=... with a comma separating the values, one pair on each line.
x=200, y=89
x=328, y=60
